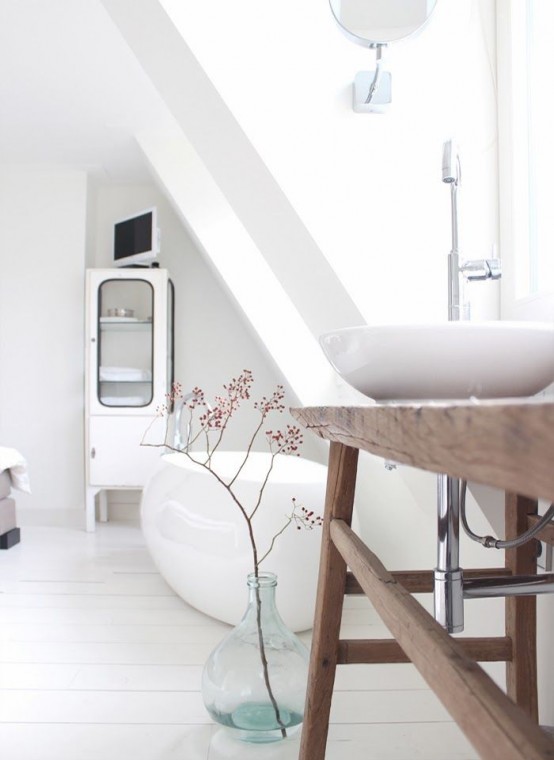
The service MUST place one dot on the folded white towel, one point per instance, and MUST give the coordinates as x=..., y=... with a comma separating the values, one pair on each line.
x=128, y=374
x=12, y=461
x=125, y=400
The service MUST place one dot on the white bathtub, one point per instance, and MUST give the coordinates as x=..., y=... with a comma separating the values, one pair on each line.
x=199, y=539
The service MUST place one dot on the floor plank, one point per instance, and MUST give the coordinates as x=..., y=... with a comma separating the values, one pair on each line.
x=100, y=660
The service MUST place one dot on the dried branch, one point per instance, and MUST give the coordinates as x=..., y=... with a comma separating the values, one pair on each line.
x=216, y=418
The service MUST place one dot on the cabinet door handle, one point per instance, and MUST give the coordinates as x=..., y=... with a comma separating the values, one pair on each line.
x=92, y=453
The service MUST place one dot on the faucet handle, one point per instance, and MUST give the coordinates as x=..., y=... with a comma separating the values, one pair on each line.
x=495, y=267
x=482, y=269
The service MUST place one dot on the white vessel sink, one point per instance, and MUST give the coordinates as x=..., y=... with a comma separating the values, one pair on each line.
x=453, y=360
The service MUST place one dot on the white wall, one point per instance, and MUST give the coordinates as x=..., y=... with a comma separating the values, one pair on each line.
x=42, y=258
x=367, y=186
x=53, y=224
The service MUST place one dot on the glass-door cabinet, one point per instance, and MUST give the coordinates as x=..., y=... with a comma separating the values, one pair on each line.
x=129, y=371
x=130, y=339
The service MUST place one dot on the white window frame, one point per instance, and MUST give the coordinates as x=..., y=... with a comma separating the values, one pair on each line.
x=513, y=180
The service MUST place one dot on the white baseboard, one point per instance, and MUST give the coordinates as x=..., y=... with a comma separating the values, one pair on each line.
x=123, y=505
x=55, y=518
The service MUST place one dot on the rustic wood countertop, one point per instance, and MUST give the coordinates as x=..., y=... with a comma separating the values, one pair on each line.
x=507, y=443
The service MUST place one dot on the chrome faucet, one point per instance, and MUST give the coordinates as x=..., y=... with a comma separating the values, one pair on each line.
x=179, y=443
x=460, y=270
x=448, y=576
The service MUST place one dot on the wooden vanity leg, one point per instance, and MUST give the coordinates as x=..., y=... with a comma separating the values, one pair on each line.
x=521, y=612
x=339, y=500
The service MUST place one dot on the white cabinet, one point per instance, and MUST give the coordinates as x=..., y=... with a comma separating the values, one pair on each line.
x=129, y=371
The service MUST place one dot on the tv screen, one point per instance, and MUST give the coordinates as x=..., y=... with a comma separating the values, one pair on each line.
x=135, y=239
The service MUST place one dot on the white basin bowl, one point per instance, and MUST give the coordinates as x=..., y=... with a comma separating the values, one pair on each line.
x=453, y=360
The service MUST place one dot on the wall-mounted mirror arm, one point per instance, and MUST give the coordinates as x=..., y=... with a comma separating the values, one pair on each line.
x=375, y=84
x=374, y=24
x=373, y=89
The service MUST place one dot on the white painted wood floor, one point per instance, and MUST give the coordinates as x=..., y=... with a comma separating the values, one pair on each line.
x=99, y=660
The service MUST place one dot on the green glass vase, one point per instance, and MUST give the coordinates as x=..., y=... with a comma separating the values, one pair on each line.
x=254, y=682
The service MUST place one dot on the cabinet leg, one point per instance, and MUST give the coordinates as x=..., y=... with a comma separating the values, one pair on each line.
x=90, y=510
x=103, y=505
x=339, y=501
x=521, y=611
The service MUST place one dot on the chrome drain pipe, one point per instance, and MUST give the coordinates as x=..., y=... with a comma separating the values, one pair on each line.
x=517, y=585
x=448, y=576
x=450, y=588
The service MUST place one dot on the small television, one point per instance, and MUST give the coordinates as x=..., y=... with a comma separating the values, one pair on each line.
x=136, y=239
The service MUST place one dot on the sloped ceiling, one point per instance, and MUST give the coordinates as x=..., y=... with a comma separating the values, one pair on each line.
x=71, y=92
x=81, y=91
x=288, y=290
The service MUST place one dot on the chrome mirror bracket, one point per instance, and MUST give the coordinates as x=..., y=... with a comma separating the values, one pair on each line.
x=373, y=89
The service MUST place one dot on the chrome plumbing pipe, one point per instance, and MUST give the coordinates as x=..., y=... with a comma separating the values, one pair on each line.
x=449, y=584
x=451, y=174
x=517, y=585
x=454, y=290
x=448, y=576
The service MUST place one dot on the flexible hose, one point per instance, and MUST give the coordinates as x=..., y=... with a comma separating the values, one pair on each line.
x=495, y=543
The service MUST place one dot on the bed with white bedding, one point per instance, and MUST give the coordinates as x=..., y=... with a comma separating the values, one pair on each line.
x=5, y=484
x=13, y=474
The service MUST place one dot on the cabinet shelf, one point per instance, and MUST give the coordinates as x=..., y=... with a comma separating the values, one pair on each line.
x=125, y=382
x=121, y=323
x=127, y=402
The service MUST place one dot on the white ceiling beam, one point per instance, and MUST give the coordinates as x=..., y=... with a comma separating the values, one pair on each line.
x=236, y=259
x=248, y=186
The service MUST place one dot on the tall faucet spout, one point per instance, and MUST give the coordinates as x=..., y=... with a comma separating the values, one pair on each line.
x=454, y=215
x=448, y=576
x=454, y=288
x=451, y=172
x=452, y=175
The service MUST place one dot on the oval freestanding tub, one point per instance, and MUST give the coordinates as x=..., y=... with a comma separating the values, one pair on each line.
x=199, y=539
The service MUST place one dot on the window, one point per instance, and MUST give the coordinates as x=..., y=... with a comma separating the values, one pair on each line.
x=526, y=157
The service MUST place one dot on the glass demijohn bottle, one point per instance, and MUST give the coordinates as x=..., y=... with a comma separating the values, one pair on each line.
x=254, y=682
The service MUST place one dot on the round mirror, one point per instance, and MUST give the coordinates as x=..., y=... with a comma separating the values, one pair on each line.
x=377, y=22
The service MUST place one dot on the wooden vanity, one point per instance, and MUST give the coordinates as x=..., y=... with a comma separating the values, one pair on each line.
x=504, y=443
